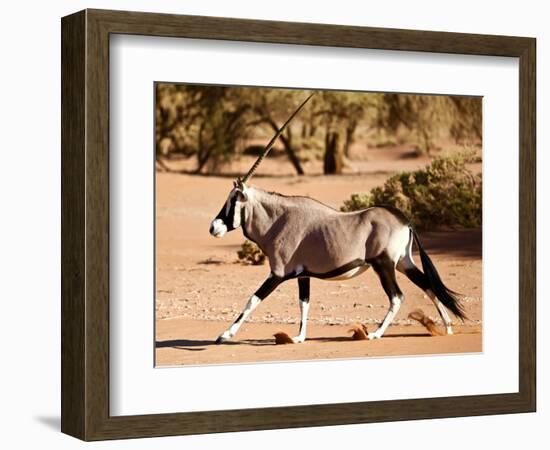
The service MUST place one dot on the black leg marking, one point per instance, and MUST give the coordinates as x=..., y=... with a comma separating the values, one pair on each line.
x=303, y=294
x=238, y=319
x=303, y=289
x=385, y=270
x=268, y=286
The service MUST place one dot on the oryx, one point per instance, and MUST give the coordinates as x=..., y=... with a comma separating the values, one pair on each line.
x=303, y=238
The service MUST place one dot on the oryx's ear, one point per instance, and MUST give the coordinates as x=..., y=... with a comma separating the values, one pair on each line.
x=243, y=195
x=241, y=188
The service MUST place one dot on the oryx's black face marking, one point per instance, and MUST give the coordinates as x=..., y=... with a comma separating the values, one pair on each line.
x=229, y=216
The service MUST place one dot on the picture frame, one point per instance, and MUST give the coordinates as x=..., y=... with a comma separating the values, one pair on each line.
x=85, y=224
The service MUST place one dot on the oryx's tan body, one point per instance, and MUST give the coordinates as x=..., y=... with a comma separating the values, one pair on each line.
x=301, y=234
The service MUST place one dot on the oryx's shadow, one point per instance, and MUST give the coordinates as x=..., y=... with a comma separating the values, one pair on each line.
x=329, y=339
x=350, y=339
x=201, y=344
x=407, y=335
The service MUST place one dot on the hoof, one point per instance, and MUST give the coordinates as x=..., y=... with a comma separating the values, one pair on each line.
x=220, y=340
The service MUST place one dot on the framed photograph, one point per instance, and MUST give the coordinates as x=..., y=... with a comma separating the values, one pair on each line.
x=272, y=225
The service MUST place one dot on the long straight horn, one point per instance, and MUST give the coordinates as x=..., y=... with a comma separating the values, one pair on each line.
x=273, y=140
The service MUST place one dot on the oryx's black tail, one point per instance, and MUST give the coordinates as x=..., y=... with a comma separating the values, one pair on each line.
x=443, y=293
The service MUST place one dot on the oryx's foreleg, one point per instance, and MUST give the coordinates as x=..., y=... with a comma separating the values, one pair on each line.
x=265, y=289
x=385, y=270
x=413, y=273
x=303, y=294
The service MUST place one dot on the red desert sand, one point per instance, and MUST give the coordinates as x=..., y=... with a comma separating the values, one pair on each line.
x=201, y=288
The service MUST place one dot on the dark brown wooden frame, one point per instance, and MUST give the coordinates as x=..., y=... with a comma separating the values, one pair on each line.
x=85, y=224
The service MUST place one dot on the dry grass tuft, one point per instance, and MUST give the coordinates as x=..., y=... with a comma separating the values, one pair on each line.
x=360, y=332
x=430, y=325
x=250, y=253
x=282, y=338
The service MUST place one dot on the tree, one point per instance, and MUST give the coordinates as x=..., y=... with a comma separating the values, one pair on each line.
x=206, y=121
x=428, y=117
x=333, y=160
x=341, y=113
x=210, y=123
x=273, y=107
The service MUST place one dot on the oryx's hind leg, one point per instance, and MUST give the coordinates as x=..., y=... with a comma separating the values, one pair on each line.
x=385, y=269
x=303, y=291
x=265, y=289
x=442, y=311
x=407, y=266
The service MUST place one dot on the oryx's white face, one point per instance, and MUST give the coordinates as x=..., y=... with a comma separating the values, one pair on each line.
x=229, y=216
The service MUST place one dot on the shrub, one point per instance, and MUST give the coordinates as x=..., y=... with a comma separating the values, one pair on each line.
x=444, y=194
x=250, y=253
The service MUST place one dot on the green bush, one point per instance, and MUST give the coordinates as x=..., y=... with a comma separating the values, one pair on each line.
x=250, y=253
x=444, y=194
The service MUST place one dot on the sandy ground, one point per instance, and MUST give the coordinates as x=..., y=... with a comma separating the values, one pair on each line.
x=255, y=343
x=201, y=289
